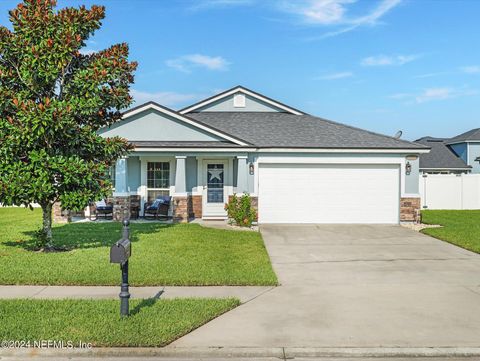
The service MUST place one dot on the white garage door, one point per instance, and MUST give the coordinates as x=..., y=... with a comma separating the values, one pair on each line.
x=321, y=193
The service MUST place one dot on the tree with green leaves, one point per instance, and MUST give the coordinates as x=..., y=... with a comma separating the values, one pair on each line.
x=53, y=100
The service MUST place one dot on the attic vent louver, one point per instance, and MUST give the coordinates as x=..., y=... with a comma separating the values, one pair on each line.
x=239, y=100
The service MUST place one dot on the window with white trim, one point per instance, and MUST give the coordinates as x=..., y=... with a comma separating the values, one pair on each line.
x=158, y=180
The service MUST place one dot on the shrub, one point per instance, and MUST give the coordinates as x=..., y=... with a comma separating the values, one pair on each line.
x=240, y=210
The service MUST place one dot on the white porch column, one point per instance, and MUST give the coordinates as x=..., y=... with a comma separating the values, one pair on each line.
x=180, y=175
x=121, y=178
x=242, y=174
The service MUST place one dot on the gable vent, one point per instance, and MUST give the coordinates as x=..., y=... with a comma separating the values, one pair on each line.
x=239, y=100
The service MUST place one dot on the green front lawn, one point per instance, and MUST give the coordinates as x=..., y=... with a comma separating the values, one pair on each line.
x=162, y=254
x=461, y=228
x=152, y=322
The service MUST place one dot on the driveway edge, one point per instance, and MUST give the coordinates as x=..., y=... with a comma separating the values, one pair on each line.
x=280, y=352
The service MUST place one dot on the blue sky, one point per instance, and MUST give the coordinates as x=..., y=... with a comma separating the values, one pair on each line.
x=382, y=65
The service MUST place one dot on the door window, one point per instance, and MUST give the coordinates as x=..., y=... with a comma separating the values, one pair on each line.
x=215, y=177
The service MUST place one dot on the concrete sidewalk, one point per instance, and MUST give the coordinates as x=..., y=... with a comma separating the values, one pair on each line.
x=244, y=293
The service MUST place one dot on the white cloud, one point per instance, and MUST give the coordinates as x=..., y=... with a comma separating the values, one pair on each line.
x=382, y=60
x=166, y=98
x=185, y=63
x=323, y=12
x=472, y=69
x=335, y=12
x=334, y=76
x=432, y=94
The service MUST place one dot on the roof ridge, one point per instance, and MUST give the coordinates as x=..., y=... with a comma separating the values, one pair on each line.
x=240, y=88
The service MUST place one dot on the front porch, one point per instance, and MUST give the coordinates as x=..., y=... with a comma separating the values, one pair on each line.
x=199, y=184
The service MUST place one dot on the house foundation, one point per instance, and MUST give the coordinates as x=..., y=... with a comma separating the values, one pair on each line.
x=410, y=209
x=60, y=215
x=125, y=207
x=195, y=206
x=180, y=209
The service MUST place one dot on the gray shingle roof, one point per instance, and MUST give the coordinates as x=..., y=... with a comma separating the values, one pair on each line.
x=175, y=144
x=272, y=130
x=473, y=134
x=440, y=156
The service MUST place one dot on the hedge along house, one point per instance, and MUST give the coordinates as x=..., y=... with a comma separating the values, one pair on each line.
x=297, y=167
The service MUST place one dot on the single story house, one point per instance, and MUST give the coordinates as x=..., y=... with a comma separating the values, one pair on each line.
x=460, y=154
x=442, y=159
x=297, y=167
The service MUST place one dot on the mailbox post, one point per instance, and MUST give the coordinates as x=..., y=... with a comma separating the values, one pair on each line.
x=120, y=252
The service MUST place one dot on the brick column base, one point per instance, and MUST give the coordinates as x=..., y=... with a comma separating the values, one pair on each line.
x=180, y=209
x=121, y=208
x=60, y=215
x=410, y=209
x=195, y=206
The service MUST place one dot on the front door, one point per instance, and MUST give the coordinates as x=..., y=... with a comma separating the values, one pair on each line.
x=214, y=194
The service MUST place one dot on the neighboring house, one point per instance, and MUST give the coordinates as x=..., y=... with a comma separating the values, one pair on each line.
x=467, y=147
x=442, y=159
x=298, y=168
x=460, y=154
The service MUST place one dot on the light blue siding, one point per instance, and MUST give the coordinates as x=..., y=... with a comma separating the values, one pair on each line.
x=191, y=169
x=411, y=180
x=251, y=105
x=473, y=153
x=121, y=176
x=155, y=126
x=461, y=150
x=250, y=177
x=133, y=173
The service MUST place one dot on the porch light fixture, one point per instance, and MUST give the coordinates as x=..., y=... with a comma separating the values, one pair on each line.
x=251, y=169
x=408, y=168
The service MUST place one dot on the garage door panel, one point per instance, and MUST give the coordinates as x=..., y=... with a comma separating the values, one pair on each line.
x=328, y=193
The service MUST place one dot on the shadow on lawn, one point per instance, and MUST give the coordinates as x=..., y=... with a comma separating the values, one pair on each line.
x=73, y=236
x=146, y=302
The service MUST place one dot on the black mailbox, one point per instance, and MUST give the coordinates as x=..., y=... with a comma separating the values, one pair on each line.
x=121, y=251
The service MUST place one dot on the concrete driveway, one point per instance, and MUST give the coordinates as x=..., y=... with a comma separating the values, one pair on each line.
x=356, y=286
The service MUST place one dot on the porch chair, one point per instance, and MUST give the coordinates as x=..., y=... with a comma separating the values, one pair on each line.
x=102, y=208
x=158, y=209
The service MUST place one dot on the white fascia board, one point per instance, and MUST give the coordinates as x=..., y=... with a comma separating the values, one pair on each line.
x=190, y=150
x=185, y=120
x=287, y=150
x=245, y=91
x=343, y=150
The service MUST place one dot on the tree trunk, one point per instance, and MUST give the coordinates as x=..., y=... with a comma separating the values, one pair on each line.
x=47, y=223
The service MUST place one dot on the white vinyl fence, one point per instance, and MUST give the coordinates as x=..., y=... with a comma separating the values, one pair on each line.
x=450, y=191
